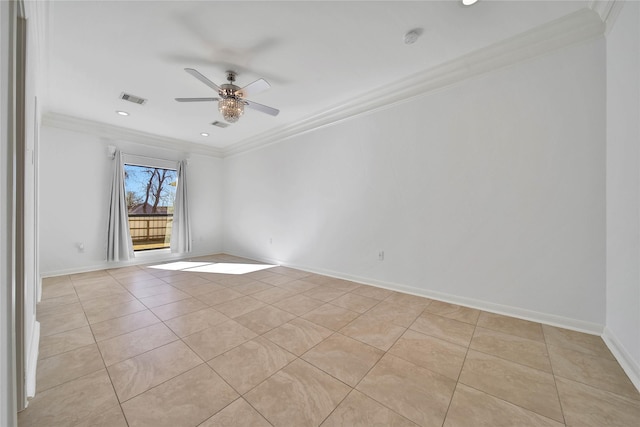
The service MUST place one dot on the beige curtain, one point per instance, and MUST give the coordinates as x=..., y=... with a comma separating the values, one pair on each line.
x=119, y=245
x=181, y=233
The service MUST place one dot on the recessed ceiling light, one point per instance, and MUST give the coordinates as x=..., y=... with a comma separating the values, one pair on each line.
x=122, y=113
x=469, y=2
x=204, y=134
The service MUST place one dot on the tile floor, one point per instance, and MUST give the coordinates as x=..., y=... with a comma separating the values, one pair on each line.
x=139, y=346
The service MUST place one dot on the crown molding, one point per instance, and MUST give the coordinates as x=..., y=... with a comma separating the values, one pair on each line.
x=576, y=27
x=63, y=121
x=579, y=26
x=608, y=11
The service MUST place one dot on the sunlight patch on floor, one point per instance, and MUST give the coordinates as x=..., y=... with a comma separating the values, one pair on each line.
x=207, y=267
x=230, y=268
x=179, y=265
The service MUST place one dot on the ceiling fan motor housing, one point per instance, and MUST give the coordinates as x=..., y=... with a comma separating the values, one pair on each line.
x=228, y=90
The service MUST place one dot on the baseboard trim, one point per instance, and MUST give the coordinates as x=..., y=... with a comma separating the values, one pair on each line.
x=164, y=257
x=520, y=313
x=517, y=312
x=630, y=366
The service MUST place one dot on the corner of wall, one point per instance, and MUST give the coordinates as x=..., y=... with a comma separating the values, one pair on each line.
x=628, y=364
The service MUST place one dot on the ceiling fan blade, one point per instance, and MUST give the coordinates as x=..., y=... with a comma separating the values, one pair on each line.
x=262, y=108
x=253, y=88
x=203, y=79
x=196, y=99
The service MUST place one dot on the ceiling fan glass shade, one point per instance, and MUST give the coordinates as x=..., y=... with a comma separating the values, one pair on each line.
x=231, y=109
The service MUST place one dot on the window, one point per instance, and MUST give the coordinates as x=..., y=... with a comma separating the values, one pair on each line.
x=150, y=193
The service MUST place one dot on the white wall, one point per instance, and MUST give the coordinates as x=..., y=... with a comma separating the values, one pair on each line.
x=7, y=306
x=489, y=193
x=623, y=189
x=13, y=283
x=75, y=176
x=31, y=274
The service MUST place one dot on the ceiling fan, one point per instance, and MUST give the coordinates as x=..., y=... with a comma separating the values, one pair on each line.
x=232, y=98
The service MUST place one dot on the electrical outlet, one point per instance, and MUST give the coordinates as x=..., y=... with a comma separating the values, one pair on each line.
x=381, y=256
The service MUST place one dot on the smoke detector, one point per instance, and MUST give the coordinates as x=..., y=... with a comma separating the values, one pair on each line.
x=412, y=36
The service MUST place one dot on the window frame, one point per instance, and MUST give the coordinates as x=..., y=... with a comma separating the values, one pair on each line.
x=149, y=162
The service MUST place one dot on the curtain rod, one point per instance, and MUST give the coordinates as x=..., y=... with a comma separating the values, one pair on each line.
x=111, y=149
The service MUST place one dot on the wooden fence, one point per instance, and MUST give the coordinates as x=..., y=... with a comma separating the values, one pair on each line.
x=150, y=231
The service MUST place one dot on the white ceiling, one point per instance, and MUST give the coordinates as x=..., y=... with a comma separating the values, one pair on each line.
x=315, y=54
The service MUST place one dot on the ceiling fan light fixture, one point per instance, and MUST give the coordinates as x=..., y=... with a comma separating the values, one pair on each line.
x=231, y=109
x=231, y=102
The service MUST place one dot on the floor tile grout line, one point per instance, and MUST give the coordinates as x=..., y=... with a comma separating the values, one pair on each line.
x=553, y=374
x=109, y=376
x=378, y=402
x=424, y=367
x=257, y=385
x=70, y=350
x=155, y=386
x=596, y=388
x=455, y=387
x=67, y=381
x=584, y=353
x=509, y=402
x=511, y=361
x=113, y=387
x=172, y=378
x=124, y=333
x=337, y=406
x=256, y=409
x=79, y=378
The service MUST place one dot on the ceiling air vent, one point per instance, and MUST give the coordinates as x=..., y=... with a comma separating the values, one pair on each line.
x=220, y=124
x=132, y=98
